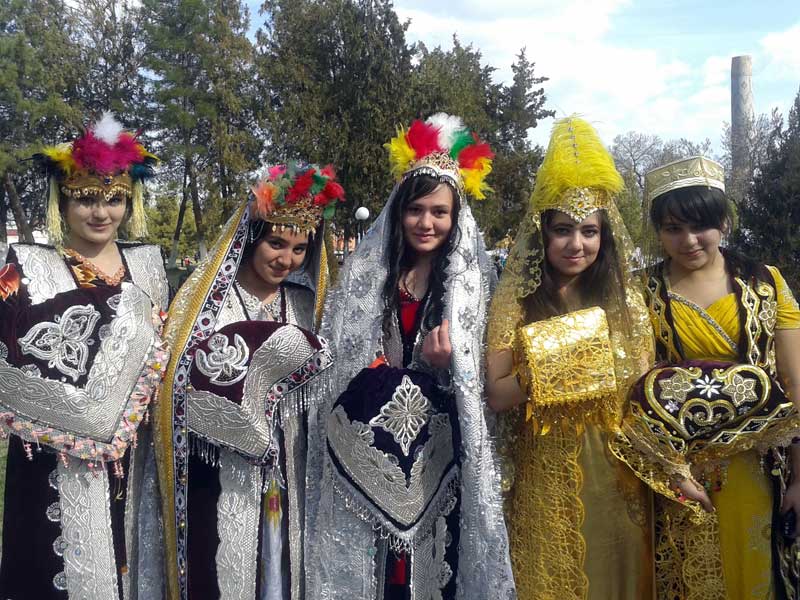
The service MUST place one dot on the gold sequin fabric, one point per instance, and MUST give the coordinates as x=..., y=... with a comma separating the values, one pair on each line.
x=567, y=363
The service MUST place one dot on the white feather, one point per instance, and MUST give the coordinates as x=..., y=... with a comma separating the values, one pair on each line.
x=448, y=126
x=107, y=128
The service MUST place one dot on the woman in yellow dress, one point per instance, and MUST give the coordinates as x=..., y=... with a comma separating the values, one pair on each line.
x=578, y=520
x=710, y=304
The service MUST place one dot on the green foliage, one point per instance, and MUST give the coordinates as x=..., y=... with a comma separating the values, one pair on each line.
x=161, y=218
x=334, y=76
x=770, y=213
x=634, y=155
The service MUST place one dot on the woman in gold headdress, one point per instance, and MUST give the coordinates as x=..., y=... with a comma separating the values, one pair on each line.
x=707, y=424
x=568, y=334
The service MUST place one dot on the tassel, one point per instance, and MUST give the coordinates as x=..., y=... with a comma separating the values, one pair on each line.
x=55, y=230
x=138, y=224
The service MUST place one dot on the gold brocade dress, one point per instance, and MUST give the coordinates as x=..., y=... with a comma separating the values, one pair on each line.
x=744, y=502
x=579, y=521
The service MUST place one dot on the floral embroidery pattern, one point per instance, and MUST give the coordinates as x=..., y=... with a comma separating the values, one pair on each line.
x=405, y=414
x=225, y=364
x=65, y=342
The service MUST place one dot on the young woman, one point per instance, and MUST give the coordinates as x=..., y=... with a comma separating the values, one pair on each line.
x=727, y=331
x=408, y=505
x=242, y=384
x=568, y=334
x=80, y=358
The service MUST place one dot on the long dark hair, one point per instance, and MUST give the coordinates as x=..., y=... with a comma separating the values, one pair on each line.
x=401, y=257
x=602, y=284
x=258, y=230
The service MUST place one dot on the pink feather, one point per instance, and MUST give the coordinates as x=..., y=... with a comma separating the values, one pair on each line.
x=276, y=171
x=90, y=152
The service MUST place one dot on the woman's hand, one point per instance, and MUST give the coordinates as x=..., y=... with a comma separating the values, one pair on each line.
x=694, y=491
x=791, y=501
x=436, y=349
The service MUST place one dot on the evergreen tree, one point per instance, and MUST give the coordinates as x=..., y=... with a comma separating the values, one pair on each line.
x=336, y=73
x=41, y=72
x=769, y=216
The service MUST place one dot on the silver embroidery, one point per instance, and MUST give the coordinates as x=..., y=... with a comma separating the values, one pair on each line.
x=377, y=473
x=246, y=428
x=60, y=581
x=225, y=364
x=89, y=564
x=429, y=569
x=238, y=510
x=146, y=268
x=64, y=342
x=46, y=271
x=405, y=414
x=53, y=512
x=95, y=411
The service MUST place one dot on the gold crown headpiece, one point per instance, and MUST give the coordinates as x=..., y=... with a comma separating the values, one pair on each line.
x=686, y=172
x=105, y=161
x=442, y=146
x=577, y=176
x=297, y=197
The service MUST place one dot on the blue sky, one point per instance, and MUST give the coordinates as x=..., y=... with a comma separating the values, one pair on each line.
x=655, y=67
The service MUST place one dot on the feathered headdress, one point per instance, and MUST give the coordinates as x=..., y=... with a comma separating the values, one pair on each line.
x=104, y=161
x=297, y=196
x=442, y=146
x=577, y=175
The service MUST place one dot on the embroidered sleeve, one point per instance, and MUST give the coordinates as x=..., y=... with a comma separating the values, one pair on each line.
x=788, y=310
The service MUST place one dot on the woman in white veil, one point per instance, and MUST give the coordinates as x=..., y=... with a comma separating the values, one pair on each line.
x=414, y=537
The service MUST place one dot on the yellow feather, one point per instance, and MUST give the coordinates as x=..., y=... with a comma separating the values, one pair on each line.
x=62, y=155
x=401, y=154
x=475, y=178
x=575, y=158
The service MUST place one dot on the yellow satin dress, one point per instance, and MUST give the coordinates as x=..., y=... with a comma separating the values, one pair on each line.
x=744, y=504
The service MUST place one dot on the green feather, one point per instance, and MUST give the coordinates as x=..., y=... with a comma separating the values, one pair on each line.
x=462, y=140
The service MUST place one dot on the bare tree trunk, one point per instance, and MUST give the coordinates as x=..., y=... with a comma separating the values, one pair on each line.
x=198, y=215
x=23, y=228
x=173, y=253
x=3, y=216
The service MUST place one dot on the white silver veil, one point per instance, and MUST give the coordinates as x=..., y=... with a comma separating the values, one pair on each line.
x=339, y=561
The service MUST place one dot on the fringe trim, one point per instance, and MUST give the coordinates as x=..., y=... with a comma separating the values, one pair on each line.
x=312, y=394
x=55, y=228
x=138, y=223
x=399, y=541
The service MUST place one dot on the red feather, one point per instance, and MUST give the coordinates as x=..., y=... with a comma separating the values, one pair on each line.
x=423, y=138
x=470, y=154
x=328, y=171
x=301, y=186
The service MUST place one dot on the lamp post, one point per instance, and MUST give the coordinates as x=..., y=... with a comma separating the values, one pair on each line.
x=362, y=214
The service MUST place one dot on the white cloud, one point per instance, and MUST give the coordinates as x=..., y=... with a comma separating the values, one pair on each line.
x=781, y=51
x=662, y=90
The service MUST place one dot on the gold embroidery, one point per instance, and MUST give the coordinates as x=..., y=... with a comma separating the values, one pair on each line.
x=568, y=366
x=658, y=318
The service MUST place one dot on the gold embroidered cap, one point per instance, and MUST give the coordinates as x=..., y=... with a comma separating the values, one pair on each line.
x=577, y=176
x=687, y=172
